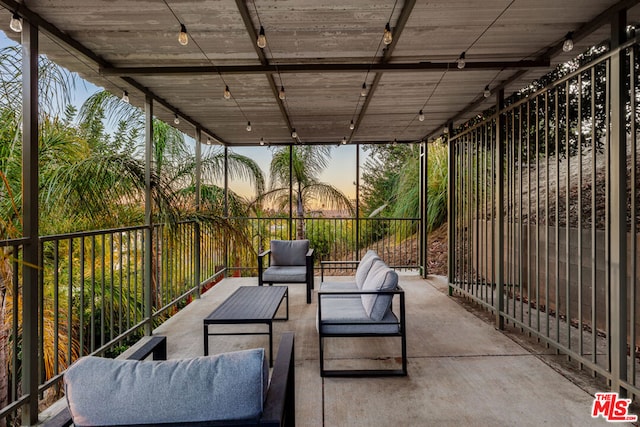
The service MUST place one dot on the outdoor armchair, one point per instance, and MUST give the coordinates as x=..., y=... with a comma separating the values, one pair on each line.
x=289, y=261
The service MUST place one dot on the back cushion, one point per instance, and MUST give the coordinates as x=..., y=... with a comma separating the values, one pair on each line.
x=289, y=252
x=380, y=278
x=103, y=391
x=365, y=266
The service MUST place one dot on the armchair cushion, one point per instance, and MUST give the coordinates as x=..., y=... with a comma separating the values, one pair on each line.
x=347, y=316
x=380, y=278
x=228, y=386
x=280, y=274
x=365, y=266
x=289, y=252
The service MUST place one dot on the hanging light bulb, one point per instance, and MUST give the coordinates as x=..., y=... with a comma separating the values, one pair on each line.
x=352, y=125
x=16, y=23
x=227, y=93
x=262, y=39
x=294, y=134
x=208, y=141
x=176, y=120
x=461, y=60
x=281, y=94
x=363, y=92
x=183, y=38
x=125, y=96
x=567, y=46
x=248, y=126
x=261, y=141
x=387, y=38
x=487, y=91
x=344, y=140
x=446, y=130
x=421, y=116
x=395, y=141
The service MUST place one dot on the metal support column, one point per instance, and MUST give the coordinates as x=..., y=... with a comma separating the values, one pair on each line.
x=358, y=200
x=424, y=178
x=30, y=212
x=196, y=241
x=148, y=220
x=226, y=207
x=451, y=220
x=499, y=210
x=618, y=200
x=290, y=192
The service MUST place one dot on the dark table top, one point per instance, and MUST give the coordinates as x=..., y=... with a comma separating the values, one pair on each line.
x=249, y=304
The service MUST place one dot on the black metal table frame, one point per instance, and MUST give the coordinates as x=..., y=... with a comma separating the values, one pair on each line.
x=237, y=321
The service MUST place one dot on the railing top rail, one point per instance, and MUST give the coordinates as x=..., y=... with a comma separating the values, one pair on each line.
x=14, y=242
x=91, y=233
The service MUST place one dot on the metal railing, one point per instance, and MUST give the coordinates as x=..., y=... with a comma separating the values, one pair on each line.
x=537, y=235
x=92, y=292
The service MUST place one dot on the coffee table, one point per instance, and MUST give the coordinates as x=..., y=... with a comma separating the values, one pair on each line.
x=247, y=305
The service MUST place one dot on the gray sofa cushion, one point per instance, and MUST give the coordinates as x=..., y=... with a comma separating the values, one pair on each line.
x=289, y=252
x=365, y=266
x=228, y=386
x=339, y=287
x=338, y=311
x=292, y=274
x=380, y=278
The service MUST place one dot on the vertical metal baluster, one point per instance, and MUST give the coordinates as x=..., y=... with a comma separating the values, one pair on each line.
x=537, y=262
x=529, y=225
x=92, y=322
x=594, y=197
x=70, y=302
x=557, y=184
x=633, y=219
x=56, y=307
x=15, y=323
x=111, y=288
x=568, y=219
x=81, y=296
x=607, y=228
x=547, y=213
x=579, y=211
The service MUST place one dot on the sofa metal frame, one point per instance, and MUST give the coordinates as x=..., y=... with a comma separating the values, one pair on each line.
x=402, y=333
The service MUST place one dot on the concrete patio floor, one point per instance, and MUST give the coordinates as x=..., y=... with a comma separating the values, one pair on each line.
x=462, y=371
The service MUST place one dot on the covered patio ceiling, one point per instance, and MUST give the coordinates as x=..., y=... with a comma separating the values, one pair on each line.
x=321, y=53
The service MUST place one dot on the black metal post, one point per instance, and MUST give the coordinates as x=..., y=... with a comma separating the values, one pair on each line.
x=30, y=212
x=148, y=220
x=358, y=200
x=617, y=194
x=290, y=192
x=197, y=238
x=499, y=209
x=451, y=208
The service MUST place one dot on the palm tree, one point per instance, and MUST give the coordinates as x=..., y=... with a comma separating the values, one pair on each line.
x=307, y=162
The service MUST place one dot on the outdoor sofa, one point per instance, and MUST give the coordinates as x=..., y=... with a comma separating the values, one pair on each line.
x=229, y=389
x=362, y=308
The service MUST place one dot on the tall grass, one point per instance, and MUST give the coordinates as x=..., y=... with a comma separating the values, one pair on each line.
x=437, y=177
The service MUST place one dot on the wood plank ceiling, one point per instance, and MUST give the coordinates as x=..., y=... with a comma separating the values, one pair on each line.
x=321, y=52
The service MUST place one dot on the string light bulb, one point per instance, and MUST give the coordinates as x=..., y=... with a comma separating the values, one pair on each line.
x=208, y=141
x=16, y=23
x=487, y=91
x=183, y=37
x=461, y=60
x=261, y=141
x=344, y=140
x=395, y=141
x=446, y=130
x=227, y=93
x=294, y=134
x=363, y=92
x=125, y=96
x=387, y=38
x=262, y=39
x=248, y=126
x=352, y=125
x=281, y=94
x=421, y=116
x=176, y=120
x=567, y=46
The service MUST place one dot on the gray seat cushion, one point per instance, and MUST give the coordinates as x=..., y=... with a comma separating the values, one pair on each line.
x=364, y=266
x=228, y=386
x=289, y=252
x=279, y=274
x=339, y=287
x=380, y=278
x=339, y=311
